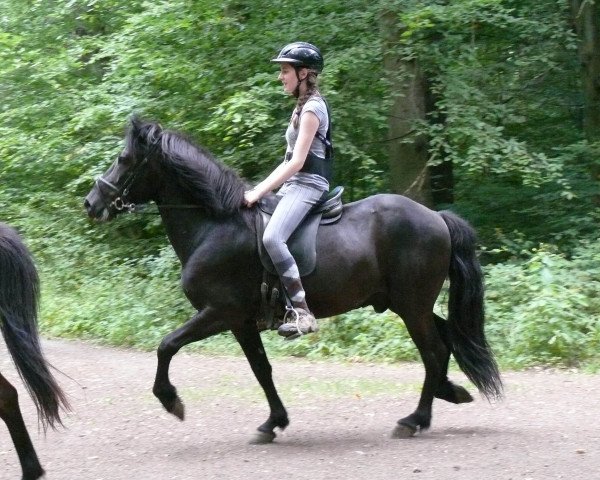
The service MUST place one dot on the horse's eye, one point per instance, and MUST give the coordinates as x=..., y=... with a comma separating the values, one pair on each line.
x=123, y=159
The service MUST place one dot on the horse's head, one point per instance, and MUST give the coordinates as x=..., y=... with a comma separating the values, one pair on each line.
x=126, y=183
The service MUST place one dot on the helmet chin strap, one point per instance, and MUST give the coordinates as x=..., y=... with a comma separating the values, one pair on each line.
x=300, y=80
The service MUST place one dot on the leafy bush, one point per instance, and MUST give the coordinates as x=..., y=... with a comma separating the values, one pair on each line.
x=117, y=284
x=505, y=83
x=357, y=335
x=134, y=303
x=546, y=310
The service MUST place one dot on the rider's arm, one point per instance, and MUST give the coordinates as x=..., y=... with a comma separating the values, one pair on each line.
x=309, y=123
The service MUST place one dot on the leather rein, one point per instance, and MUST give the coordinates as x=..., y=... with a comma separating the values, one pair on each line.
x=116, y=197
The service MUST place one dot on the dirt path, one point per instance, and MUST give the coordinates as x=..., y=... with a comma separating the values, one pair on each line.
x=341, y=418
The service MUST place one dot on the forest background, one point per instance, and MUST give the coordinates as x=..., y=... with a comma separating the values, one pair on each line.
x=488, y=107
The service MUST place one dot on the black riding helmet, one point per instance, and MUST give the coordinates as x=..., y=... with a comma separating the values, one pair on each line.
x=301, y=54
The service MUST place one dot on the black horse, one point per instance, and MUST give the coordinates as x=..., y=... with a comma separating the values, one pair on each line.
x=19, y=293
x=386, y=251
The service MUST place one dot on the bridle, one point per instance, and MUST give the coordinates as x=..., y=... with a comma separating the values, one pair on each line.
x=113, y=196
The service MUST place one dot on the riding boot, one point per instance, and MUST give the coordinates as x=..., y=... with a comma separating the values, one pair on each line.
x=299, y=320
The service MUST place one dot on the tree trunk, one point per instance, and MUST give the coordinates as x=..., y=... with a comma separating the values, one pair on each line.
x=441, y=176
x=409, y=174
x=442, y=183
x=586, y=21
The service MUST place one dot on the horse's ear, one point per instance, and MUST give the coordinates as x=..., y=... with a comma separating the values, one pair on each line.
x=134, y=140
x=153, y=134
x=144, y=133
x=135, y=123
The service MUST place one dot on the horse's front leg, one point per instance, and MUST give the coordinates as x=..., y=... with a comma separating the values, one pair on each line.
x=249, y=339
x=11, y=414
x=202, y=325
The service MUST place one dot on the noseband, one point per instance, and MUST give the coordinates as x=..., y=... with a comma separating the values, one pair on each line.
x=113, y=196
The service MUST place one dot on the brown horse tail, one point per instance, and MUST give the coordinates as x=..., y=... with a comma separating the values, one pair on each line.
x=466, y=310
x=19, y=296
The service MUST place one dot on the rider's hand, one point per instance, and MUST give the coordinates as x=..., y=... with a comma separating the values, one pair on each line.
x=251, y=197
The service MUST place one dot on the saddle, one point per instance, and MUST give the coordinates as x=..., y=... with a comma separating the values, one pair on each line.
x=302, y=245
x=303, y=242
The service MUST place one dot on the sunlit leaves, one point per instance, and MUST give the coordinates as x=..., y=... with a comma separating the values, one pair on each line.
x=545, y=311
x=506, y=110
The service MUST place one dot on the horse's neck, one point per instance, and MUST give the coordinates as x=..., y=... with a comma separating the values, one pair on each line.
x=187, y=226
x=183, y=227
x=182, y=223
x=191, y=229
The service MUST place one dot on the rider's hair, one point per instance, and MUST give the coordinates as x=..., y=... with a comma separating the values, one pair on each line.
x=311, y=89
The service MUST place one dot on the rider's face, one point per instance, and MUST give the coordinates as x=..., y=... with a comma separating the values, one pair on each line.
x=288, y=78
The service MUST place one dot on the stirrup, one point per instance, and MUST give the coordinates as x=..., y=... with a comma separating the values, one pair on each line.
x=298, y=321
x=292, y=311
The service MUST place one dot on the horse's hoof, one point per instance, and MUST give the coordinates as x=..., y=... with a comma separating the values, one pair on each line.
x=462, y=395
x=261, y=438
x=454, y=393
x=34, y=473
x=178, y=409
x=403, y=431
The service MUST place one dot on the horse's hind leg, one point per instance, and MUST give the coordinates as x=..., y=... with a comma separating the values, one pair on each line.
x=433, y=351
x=204, y=324
x=447, y=390
x=11, y=414
x=249, y=339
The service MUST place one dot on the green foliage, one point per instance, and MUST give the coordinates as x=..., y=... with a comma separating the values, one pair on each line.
x=546, y=310
x=493, y=87
x=506, y=111
x=358, y=335
x=559, y=214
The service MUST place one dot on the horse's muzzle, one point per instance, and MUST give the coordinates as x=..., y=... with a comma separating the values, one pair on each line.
x=88, y=207
x=95, y=207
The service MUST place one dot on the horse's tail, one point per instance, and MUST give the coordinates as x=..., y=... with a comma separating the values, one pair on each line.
x=466, y=310
x=19, y=297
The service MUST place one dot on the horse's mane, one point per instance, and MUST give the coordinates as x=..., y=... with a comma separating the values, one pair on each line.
x=206, y=181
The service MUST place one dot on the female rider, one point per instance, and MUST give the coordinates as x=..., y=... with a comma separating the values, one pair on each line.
x=303, y=175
